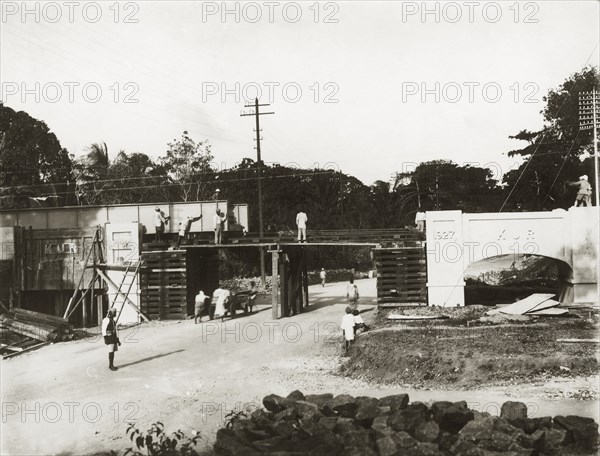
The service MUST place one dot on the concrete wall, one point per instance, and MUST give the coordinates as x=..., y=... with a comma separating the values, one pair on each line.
x=455, y=240
x=90, y=216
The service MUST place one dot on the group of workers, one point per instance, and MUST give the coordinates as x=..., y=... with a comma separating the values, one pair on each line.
x=161, y=220
x=223, y=301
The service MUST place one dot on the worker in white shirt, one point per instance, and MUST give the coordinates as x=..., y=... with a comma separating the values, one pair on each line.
x=347, y=326
x=218, y=220
x=323, y=276
x=420, y=221
x=301, y=220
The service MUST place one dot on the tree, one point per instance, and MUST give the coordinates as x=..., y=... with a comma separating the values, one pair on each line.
x=187, y=164
x=33, y=165
x=91, y=174
x=556, y=153
x=444, y=185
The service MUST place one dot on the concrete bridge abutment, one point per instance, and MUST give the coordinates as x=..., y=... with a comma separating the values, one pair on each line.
x=455, y=240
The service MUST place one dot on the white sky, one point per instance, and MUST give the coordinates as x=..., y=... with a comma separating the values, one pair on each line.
x=172, y=56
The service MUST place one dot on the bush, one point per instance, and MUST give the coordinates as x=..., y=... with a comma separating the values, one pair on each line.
x=154, y=442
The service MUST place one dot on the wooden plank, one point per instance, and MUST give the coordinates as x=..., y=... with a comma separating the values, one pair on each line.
x=549, y=311
x=526, y=304
x=33, y=347
x=579, y=341
x=30, y=314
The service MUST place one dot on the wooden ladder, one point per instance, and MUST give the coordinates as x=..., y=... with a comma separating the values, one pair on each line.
x=127, y=282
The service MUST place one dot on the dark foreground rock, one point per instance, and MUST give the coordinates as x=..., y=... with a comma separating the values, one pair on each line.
x=324, y=424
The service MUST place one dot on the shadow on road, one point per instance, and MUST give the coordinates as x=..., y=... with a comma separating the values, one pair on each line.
x=150, y=358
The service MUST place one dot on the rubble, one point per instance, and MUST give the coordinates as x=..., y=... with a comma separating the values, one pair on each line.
x=345, y=425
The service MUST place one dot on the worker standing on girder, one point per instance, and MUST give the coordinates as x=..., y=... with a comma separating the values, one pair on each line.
x=584, y=192
x=159, y=224
x=218, y=220
x=420, y=221
x=184, y=229
x=301, y=220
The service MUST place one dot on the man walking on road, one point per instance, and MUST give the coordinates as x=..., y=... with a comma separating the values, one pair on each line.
x=323, y=277
x=301, y=220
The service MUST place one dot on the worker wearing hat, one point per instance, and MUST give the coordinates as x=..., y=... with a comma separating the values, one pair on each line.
x=584, y=192
x=111, y=336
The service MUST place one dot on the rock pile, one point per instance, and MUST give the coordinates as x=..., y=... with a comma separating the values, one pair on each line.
x=321, y=424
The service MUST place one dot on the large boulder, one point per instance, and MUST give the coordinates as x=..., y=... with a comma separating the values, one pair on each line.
x=284, y=428
x=228, y=444
x=328, y=422
x=296, y=395
x=394, y=402
x=513, y=410
x=306, y=410
x=381, y=428
x=343, y=405
x=583, y=431
x=344, y=426
x=427, y=431
x=274, y=403
x=530, y=425
x=453, y=417
x=319, y=399
x=386, y=446
x=261, y=417
x=366, y=413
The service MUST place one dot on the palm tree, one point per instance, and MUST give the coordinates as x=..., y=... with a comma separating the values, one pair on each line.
x=90, y=172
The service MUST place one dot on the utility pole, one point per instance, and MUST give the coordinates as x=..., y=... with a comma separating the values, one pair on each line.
x=257, y=114
x=589, y=114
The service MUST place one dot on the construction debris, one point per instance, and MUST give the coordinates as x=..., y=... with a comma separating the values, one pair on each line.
x=535, y=304
x=417, y=317
x=39, y=326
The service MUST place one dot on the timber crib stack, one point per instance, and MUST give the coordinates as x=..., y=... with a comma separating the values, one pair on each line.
x=401, y=276
x=40, y=326
x=163, y=291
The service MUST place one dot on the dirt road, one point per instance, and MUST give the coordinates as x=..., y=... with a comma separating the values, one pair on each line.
x=63, y=399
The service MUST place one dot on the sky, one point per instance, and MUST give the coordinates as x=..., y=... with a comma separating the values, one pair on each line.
x=367, y=88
